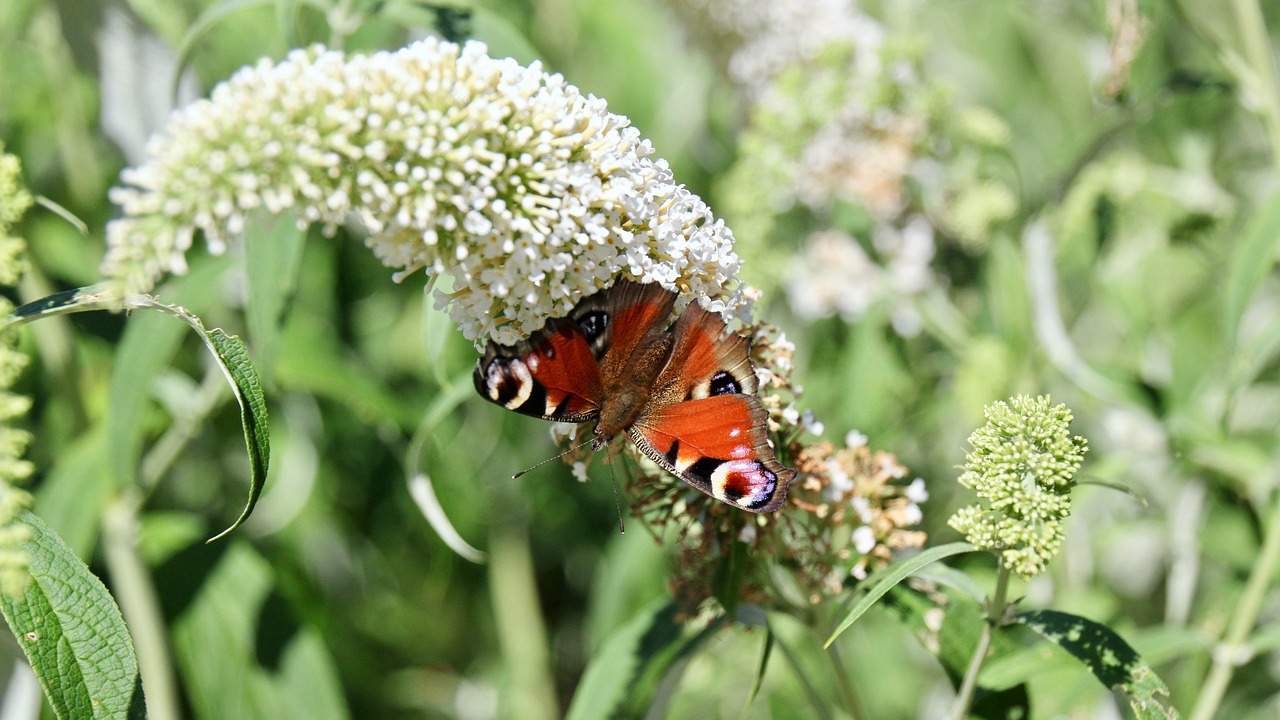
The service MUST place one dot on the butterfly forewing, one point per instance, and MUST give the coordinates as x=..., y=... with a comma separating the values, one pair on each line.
x=705, y=361
x=638, y=318
x=552, y=375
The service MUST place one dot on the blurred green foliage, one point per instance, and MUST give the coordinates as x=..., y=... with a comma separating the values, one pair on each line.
x=1122, y=261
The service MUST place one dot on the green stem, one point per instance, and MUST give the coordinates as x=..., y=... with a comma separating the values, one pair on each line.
x=849, y=698
x=521, y=632
x=996, y=607
x=1262, y=84
x=132, y=587
x=1234, y=650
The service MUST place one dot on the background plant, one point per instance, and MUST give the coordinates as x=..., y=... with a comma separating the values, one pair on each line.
x=1076, y=201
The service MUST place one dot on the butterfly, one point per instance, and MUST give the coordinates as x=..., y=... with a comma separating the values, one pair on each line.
x=684, y=394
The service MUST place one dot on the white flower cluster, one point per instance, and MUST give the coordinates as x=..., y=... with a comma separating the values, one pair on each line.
x=825, y=90
x=526, y=193
x=760, y=39
x=835, y=275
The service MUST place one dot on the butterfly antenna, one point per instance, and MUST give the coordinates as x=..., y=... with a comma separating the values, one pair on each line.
x=617, y=502
x=553, y=457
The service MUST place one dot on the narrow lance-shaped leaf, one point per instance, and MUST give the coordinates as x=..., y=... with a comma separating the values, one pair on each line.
x=73, y=634
x=624, y=677
x=883, y=581
x=234, y=359
x=228, y=351
x=1117, y=665
x=760, y=671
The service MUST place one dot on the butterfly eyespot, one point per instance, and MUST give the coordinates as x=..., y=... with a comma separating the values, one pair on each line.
x=509, y=382
x=722, y=383
x=745, y=483
x=593, y=324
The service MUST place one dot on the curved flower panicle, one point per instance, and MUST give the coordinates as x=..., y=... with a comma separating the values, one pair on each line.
x=14, y=201
x=504, y=178
x=1022, y=467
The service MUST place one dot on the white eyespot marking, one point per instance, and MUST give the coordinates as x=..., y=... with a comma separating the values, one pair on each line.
x=742, y=482
x=500, y=374
x=741, y=451
x=552, y=405
x=684, y=461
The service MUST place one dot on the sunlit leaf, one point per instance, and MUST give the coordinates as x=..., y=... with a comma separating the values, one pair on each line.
x=72, y=633
x=234, y=360
x=624, y=675
x=883, y=581
x=1112, y=660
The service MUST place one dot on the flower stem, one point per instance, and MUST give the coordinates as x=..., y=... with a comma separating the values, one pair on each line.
x=522, y=634
x=1233, y=649
x=995, y=617
x=848, y=697
x=134, y=591
x=1262, y=80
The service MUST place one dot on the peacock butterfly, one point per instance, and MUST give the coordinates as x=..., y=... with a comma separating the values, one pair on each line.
x=685, y=394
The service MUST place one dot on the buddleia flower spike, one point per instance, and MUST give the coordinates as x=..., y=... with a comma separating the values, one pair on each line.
x=1022, y=467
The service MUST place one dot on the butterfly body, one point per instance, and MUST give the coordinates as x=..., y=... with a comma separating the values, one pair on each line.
x=685, y=395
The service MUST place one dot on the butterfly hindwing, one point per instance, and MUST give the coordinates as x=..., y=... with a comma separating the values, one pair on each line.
x=552, y=375
x=717, y=444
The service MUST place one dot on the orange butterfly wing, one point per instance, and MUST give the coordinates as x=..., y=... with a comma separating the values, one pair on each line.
x=553, y=375
x=704, y=423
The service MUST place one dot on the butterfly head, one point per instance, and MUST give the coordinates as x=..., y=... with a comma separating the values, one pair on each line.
x=598, y=441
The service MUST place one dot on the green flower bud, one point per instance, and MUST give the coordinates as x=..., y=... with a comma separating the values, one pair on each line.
x=1022, y=467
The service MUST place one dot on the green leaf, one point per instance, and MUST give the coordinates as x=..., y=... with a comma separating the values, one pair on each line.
x=73, y=634
x=234, y=359
x=272, y=255
x=883, y=581
x=72, y=496
x=62, y=303
x=760, y=671
x=210, y=18
x=241, y=650
x=143, y=351
x=624, y=677
x=1112, y=660
x=1251, y=260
